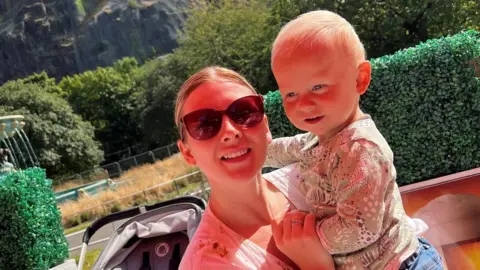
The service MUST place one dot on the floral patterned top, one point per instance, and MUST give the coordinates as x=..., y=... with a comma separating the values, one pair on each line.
x=349, y=182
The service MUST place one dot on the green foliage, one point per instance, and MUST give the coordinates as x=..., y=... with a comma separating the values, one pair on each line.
x=233, y=34
x=80, y=7
x=426, y=102
x=42, y=79
x=279, y=124
x=31, y=234
x=161, y=81
x=388, y=26
x=62, y=142
x=107, y=98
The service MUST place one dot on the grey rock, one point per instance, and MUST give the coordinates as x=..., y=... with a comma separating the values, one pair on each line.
x=64, y=38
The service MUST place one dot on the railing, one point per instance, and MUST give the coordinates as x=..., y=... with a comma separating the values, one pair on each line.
x=116, y=169
x=159, y=192
x=103, y=235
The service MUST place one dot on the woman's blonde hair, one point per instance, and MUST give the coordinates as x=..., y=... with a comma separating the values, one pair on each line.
x=208, y=74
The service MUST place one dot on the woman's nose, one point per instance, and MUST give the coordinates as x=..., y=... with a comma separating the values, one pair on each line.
x=229, y=131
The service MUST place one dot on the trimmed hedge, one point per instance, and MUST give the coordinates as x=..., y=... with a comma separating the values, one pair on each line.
x=31, y=234
x=426, y=102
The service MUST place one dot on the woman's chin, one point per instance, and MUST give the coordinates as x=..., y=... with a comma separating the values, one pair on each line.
x=241, y=171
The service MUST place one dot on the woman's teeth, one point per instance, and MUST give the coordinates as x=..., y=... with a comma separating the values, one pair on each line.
x=236, y=154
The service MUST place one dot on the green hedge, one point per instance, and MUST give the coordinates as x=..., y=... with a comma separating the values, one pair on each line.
x=31, y=235
x=426, y=102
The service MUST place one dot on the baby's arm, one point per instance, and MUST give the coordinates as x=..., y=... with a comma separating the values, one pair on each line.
x=360, y=176
x=286, y=150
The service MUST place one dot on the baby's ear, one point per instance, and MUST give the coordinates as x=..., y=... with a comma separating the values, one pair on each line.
x=186, y=152
x=364, y=74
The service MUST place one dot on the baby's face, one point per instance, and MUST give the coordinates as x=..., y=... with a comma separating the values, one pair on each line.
x=318, y=89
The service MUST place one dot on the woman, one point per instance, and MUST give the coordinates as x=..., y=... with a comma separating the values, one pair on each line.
x=224, y=132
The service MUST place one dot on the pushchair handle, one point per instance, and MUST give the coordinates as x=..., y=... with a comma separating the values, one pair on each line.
x=99, y=223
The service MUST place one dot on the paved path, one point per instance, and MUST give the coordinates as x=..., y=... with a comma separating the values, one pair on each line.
x=98, y=240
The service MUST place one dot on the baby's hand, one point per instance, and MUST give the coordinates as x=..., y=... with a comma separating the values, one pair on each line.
x=295, y=236
x=321, y=212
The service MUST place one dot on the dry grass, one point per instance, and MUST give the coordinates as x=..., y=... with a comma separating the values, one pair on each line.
x=99, y=174
x=67, y=185
x=168, y=168
x=136, y=180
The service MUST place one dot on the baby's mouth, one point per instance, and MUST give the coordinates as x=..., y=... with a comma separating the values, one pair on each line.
x=314, y=120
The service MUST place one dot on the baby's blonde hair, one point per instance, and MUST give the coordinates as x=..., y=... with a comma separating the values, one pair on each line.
x=315, y=28
x=208, y=74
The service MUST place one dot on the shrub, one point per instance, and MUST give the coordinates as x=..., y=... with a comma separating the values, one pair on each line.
x=31, y=235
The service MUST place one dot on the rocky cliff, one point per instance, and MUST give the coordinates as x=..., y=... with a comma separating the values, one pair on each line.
x=69, y=36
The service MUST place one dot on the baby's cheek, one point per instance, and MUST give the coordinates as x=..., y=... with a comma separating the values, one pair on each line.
x=290, y=108
x=327, y=97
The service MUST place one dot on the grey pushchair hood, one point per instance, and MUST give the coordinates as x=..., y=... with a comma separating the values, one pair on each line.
x=154, y=238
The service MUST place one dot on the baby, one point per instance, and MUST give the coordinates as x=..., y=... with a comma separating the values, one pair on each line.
x=343, y=165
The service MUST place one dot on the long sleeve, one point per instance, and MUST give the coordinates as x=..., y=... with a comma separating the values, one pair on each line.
x=360, y=175
x=286, y=150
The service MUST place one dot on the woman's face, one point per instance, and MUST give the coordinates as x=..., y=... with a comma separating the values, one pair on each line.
x=236, y=153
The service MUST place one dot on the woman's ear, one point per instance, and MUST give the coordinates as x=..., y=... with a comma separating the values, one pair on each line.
x=267, y=128
x=364, y=75
x=186, y=152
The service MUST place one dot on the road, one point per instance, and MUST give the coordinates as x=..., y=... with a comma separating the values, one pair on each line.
x=98, y=240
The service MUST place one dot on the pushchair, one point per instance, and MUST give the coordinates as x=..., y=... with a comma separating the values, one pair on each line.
x=154, y=236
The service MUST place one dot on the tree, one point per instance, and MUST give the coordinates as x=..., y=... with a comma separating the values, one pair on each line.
x=62, y=141
x=161, y=81
x=388, y=26
x=45, y=82
x=107, y=98
x=232, y=34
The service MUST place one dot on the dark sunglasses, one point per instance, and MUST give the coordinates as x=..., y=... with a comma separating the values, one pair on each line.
x=205, y=124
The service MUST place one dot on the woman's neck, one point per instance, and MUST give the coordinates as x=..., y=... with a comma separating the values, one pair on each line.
x=247, y=208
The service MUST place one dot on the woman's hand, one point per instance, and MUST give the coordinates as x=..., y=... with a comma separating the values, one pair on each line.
x=294, y=234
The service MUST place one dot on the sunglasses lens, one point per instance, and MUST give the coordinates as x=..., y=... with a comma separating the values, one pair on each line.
x=247, y=111
x=206, y=123
x=203, y=124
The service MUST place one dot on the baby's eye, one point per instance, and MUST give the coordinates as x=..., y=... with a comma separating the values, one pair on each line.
x=320, y=88
x=290, y=95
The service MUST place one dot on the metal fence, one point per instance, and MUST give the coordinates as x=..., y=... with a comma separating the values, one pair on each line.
x=187, y=184
x=99, y=239
x=115, y=169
